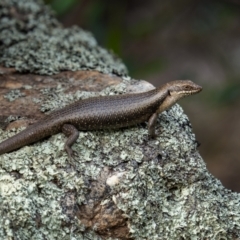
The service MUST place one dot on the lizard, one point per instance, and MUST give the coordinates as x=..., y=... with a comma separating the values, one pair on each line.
x=103, y=112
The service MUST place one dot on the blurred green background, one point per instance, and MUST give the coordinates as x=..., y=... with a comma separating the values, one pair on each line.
x=163, y=40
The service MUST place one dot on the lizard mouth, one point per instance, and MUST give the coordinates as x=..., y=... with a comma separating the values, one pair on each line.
x=195, y=90
x=199, y=89
x=191, y=92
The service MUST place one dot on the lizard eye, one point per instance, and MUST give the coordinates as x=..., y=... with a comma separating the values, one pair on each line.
x=187, y=88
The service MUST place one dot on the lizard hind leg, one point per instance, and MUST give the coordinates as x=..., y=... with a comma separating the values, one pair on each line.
x=72, y=133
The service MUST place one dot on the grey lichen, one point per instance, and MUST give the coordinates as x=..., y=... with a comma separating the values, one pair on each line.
x=33, y=41
x=172, y=195
x=13, y=95
x=165, y=189
x=34, y=179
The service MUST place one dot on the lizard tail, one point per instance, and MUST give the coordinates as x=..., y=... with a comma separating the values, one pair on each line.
x=28, y=136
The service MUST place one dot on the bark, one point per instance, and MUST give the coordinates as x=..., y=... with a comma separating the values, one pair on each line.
x=123, y=185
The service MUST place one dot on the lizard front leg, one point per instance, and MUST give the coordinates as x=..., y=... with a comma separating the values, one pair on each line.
x=151, y=125
x=72, y=133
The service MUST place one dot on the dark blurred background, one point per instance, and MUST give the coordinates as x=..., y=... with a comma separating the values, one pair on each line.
x=163, y=40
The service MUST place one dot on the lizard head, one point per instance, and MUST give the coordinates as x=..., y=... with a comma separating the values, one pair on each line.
x=176, y=90
x=182, y=88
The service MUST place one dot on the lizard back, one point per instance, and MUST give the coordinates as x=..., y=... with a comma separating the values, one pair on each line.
x=90, y=114
x=108, y=111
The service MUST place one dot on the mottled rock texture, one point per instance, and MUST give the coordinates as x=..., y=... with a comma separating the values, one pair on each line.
x=123, y=185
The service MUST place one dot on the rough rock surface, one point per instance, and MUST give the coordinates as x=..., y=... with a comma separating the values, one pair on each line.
x=123, y=185
x=32, y=40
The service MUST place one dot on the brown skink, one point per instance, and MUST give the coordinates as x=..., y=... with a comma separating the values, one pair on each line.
x=107, y=112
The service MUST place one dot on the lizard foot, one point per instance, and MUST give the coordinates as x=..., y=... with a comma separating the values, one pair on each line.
x=72, y=156
x=152, y=136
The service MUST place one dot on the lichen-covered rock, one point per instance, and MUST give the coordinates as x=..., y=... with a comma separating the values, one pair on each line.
x=32, y=40
x=155, y=189
x=122, y=185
